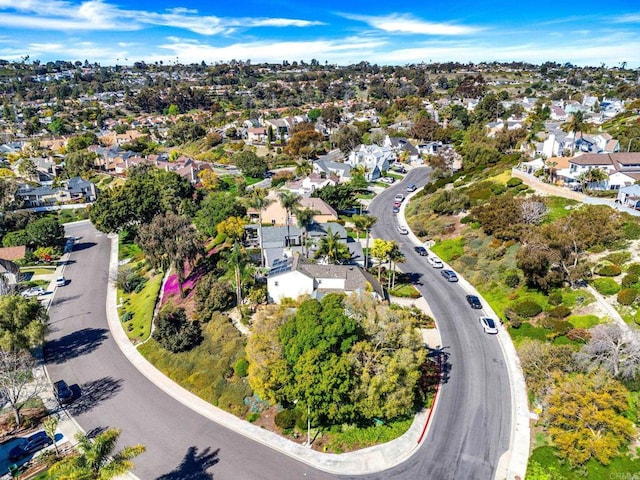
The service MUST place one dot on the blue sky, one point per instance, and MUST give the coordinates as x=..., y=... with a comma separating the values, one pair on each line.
x=342, y=32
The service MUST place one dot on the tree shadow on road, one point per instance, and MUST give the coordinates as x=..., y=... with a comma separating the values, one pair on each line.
x=83, y=246
x=194, y=465
x=74, y=345
x=440, y=356
x=89, y=395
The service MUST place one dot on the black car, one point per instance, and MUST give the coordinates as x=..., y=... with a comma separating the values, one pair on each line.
x=62, y=391
x=421, y=251
x=450, y=275
x=474, y=301
x=395, y=209
x=29, y=445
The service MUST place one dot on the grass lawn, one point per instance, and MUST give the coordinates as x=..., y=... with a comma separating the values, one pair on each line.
x=449, y=249
x=526, y=331
x=207, y=370
x=351, y=438
x=73, y=215
x=367, y=195
x=141, y=305
x=545, y=457
x=253, y=180
x=584, y=321
x=557, y=207
x=39, y=270
x=129, y=250
x=405, y=290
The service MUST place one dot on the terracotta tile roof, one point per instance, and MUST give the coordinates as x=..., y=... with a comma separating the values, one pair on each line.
x=13, y=253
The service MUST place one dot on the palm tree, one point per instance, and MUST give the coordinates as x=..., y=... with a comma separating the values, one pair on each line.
x=395, y=256
x=364, y=223
x=551, y=166
x=258, y=200
x=304, y=216
x=95, y=459
x=576, y=125
x=332, y=248
x=289, y=202
x=593, y=175
x=237, y=258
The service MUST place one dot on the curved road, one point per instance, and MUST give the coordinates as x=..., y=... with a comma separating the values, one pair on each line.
x=467, y=435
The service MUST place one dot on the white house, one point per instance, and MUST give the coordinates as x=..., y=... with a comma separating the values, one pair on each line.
x=553, y=146
x=373, y=158
x=629, y=196
x=293, y=277
x=399, y=145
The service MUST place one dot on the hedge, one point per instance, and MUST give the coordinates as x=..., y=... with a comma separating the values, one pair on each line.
x=560, y=312
x=606, y=286
x=514, y=182
x=634, y=268
x=627, y=296
x=629, y=280
x=527, y=308
x=609, y=270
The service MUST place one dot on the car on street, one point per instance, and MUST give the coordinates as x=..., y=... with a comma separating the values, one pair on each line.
x=399, y=198
x=450, y=275
x=421, y=251
x=411, y=188
x=395, y=209
x=397, y=204
x=61, y=281
x=28, y=445
x=474, y=301
x=402, y=230
x=435, y=262
x=33, y=292
x=63, y=393
x=488, y=325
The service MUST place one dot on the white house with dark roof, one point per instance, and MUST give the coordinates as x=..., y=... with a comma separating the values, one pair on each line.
x=293, y=277
x=399, y=145
x=75, y=189
x=623, y=169
x=373, y=158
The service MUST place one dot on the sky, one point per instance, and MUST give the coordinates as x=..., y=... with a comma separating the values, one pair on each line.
x=121, y=32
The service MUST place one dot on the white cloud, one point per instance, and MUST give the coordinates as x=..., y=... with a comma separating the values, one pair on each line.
x=99, y=15
x=397, y=23
x=628, y=18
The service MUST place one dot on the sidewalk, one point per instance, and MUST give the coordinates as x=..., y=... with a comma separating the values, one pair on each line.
x=513, y=463
x=369, y=460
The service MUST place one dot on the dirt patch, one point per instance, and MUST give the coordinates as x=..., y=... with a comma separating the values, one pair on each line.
x=30, y=421
x=267, y=421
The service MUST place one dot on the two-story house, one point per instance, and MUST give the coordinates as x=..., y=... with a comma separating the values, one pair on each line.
x=373, y=158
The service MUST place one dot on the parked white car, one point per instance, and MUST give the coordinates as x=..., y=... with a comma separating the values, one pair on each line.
x=61, y=281
x=33, y=292
x=399, y=197
x=435, y=262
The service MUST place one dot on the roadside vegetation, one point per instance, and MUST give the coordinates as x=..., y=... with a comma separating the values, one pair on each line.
x=531, y=258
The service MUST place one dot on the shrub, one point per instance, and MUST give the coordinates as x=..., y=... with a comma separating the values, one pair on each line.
x=241, y=367
x=512, y=280
x=212, y=296
x=555, y=298
x=579, y=335
x=608, y=270
x=286, y=419
x=559, y=312
x=606, y=286
x=126, y=316
x=498, y=188
x=175, y=332
x=627, y=296
x=527, y=308
x=557, y=325
x=514, y=182
x=631, y=230
x=617, y=257
x=634, y=268
x=629, y=280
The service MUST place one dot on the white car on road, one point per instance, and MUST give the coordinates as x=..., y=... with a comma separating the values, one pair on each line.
x=435, y=262
x=33, y=292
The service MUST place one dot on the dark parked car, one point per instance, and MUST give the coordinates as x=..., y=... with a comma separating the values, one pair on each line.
x=395, y=209
x=450, y=275
x=62, y=391
x=474, y=301
x=421, y=251
x=29, y=445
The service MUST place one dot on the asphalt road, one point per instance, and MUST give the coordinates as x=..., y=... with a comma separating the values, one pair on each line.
x=181, y=444
x=471, y=426
x=468, y=433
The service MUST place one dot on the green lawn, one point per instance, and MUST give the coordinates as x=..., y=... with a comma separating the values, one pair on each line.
x=405, y=290
x=584, y=321
x=557, y=207
x=449, y=249
x=207, y=370
x=42, y=270
x=350, y=438
x=129, y=250
x=73, y=215
x=141, y=305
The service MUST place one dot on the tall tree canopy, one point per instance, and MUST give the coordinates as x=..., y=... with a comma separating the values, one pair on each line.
x=23, y=323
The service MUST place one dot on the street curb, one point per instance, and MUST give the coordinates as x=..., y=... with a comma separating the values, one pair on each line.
x=366, y=461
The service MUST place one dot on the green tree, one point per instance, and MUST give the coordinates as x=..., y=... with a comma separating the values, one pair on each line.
x=174, y=331
x=168, y=241
x=259, y=201
x=395, y=256
x=289, y=202
x=340, y=197
x=23, y=323
x=585, y=415
x=577, y=124
x=45, y=232
x=215, y=208
x=332, y=249
x=250, y=164
x=364, y=223
x=50, y=425
x=304, y=217
x=81, y=142
x=380, y=250
x=213, y=295
x=96, y=459
x=80, y=163
x=237, y=259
